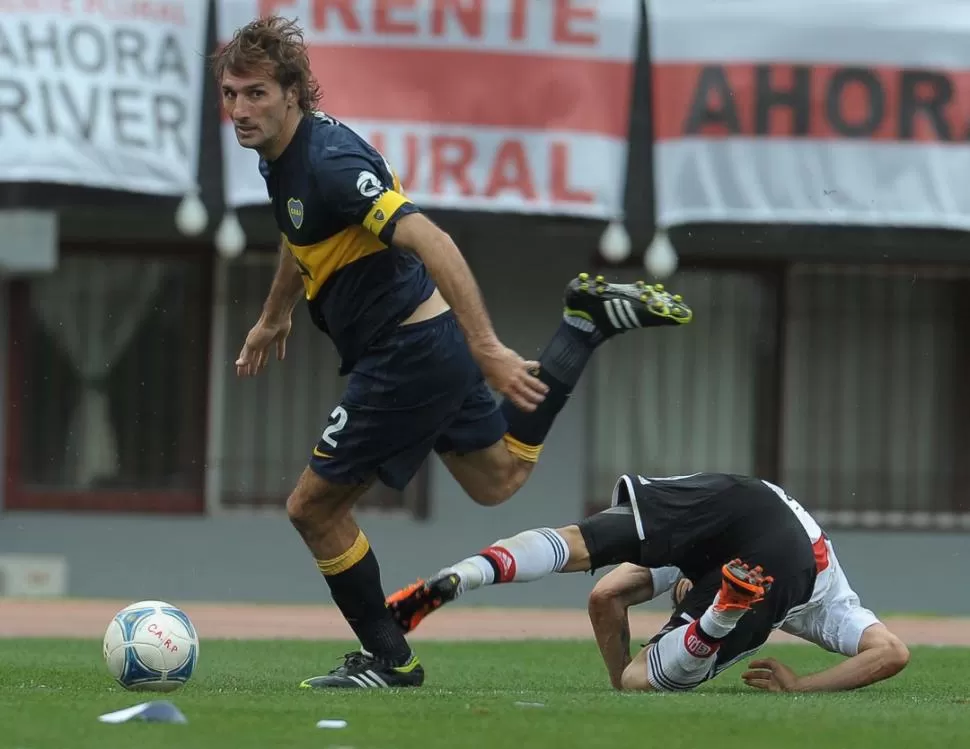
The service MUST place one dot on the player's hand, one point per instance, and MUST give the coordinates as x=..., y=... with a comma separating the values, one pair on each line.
x=511, y=375
x=680, y=590
x=255, y=351
x=771, y=676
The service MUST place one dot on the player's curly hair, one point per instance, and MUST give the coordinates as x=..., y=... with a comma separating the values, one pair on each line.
x=274, y=45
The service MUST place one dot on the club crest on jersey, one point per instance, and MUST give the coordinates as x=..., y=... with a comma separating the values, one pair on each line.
x=295, y=208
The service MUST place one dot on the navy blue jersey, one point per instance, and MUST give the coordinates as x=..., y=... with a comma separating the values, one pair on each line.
x=336, y=201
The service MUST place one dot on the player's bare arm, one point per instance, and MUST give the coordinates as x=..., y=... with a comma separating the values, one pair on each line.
x=504, y=369
x=285, y=291
x=275, y=322
x=609, y=603
x=881, y=655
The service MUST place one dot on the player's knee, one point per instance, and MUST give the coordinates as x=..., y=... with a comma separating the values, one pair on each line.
x=300, y=508
x=313, y=504
x=634, y=678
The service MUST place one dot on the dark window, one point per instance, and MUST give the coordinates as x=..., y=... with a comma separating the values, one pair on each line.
x=108, y=369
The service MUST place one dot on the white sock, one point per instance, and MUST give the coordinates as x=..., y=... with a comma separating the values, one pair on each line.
x=473, y=572
x=719, y=624
x=681, y=659
x=525, y=557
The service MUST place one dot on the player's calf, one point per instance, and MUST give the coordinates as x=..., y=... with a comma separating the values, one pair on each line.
x=320, y=511
x=604, y=539
x=679, y=660
x=684, y=656
x=593, y=311
x=489, y=476
x=525, y=557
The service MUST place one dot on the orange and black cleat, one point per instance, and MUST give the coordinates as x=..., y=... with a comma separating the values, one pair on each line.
x=741, y=586
x=410, y=605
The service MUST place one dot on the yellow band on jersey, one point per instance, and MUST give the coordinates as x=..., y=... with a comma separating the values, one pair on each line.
x=321, y=260
x=383, y=211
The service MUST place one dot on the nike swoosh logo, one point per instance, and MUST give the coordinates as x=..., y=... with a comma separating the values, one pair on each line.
x=316, y=452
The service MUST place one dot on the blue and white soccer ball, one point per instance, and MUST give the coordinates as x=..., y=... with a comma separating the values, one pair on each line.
x=151, y=646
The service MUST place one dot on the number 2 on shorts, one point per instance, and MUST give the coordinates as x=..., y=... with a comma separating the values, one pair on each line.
x=340, y=414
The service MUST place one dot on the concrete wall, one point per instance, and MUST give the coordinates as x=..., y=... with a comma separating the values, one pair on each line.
x=258, y=557
x=4, y=329
x=261, y=559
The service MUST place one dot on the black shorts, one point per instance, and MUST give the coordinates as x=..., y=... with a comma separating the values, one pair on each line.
x=611, y=537
x=416, y=390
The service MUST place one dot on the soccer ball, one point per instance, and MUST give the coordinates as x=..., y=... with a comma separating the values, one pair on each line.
x=151, y=646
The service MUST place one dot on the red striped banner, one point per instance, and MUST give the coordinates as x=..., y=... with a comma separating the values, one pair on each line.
x=512, y=105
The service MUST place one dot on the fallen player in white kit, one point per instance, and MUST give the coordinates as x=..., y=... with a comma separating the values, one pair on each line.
x=834, y=619
x=713, y=529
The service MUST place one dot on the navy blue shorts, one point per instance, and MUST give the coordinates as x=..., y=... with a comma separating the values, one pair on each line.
x=416, y=390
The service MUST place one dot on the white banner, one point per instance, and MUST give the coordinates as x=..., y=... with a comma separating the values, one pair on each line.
x=102, y=94
x=501, y=106
x=831, y=112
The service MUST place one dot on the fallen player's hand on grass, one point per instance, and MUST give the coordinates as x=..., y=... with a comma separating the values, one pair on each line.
x=771, y=676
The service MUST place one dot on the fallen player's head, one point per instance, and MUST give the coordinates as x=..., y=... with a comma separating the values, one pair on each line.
x=265, y=77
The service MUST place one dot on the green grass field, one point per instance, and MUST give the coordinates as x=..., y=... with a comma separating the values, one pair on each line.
x=244, y=695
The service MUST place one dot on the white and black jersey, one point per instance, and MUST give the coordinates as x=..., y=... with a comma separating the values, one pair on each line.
x=702, y=520
x=698, y=523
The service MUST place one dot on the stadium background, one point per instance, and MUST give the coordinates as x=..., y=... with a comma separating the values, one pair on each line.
x=783, y=374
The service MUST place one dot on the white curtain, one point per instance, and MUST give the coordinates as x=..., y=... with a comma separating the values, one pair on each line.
x=92, y=306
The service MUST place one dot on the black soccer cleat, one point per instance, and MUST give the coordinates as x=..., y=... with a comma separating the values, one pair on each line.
x=612, y=308
x=363, y=671
x=412, y=604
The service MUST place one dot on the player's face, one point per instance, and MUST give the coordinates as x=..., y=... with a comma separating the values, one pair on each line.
x=258, y=108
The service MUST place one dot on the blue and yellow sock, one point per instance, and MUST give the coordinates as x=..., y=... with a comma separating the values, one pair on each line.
x=560, y=367
x=354, y=578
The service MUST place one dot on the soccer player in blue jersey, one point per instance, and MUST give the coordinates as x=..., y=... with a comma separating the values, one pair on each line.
x=400, y=304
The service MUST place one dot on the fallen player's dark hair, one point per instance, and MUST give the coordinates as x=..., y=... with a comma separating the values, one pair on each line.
x=274, y=45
